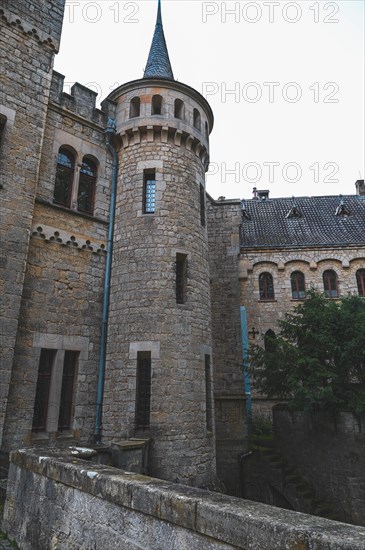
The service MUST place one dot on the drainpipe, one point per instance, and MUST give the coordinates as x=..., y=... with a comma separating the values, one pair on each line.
x=246, y=364
x=110, y=133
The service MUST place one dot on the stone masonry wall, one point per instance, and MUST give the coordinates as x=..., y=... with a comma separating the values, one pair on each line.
x=55, y=501
x=231, y=428
x=29, y=37
x=63, y=288
x=264, y=315
x=329, y=453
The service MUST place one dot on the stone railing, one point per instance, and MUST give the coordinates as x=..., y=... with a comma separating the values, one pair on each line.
x=57, y=501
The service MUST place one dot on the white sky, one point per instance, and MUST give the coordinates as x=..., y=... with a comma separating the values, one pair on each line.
x=317, y=139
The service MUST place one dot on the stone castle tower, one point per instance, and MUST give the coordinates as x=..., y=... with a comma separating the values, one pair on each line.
x=159, y=361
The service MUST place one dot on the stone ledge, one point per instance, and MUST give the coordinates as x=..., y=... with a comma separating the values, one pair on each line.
x=225, y=520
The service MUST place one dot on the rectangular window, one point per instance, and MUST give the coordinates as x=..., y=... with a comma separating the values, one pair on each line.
x=53, y=397
x=202, y=205
x=42, y=393
x=143, y=390
x=149, y=192
x=208, y=393
x=67, y=391
x=181, y=278
x=2, y=132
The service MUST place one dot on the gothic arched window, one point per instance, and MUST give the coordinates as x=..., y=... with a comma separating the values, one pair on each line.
x=297, y=280
x=87, y=183
x=360, y=279
x=330, y=284
x=64, y=177
x=266, y=285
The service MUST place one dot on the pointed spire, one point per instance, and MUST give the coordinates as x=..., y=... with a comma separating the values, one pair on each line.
x=158, y=63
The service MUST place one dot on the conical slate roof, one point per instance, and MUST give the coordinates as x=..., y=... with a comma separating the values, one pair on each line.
x=158, y=63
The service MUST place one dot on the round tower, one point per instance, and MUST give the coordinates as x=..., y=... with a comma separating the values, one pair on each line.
x=158, y=379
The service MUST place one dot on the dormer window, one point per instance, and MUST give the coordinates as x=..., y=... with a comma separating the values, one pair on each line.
x=342, y=210
x=294, y=212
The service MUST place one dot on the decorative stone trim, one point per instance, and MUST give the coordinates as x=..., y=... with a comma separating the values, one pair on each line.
x=13, y=21
x=51, y=234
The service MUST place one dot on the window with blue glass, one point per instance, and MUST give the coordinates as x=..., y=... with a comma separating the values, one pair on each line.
x=149, y=194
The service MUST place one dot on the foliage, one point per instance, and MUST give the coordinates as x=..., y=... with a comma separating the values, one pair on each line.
x=318, y=358
x=261, y=426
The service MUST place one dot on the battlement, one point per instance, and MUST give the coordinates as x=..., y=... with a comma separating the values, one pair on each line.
x=39, y=19
x=81, y=101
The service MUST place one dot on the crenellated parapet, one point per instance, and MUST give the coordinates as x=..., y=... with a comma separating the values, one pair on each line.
x=157, y=110
x=81, y=101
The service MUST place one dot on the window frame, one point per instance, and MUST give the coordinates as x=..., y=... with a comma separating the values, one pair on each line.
x=360, y=281
x=264, y=288
x=86, y=178
x=157, y=105
x=297, y=287
x=179, y=109
x=197, y=120
x=149, y=192
x=143, y=397
x=326, y=280
x=69, y=171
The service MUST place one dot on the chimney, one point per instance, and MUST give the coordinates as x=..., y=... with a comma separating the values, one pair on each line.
x=360, y=187
x=263, y=194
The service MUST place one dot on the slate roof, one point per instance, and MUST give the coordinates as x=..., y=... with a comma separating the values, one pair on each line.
x=264, y=222
x=158, y=63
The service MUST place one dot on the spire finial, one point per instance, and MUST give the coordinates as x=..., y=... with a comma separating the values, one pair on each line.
x=158, y=63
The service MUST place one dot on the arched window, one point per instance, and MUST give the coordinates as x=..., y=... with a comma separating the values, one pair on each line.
x=360, y=279
x=270, y=341
x=86, y=191
x=156, y=105
x=64, y=177
x=179, y=109
x=297, y=280
x=135, y=107
x=197, y=120
x=266, y=285
x=330, y=284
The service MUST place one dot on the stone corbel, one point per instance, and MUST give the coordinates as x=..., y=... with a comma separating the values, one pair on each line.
x=125, y=140
x=164, y=134
x=189, y=142
x=177, y=137
x=136, y=136
x=150, y=134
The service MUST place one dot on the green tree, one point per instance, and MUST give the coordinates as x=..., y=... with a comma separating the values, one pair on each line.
x=318, y=358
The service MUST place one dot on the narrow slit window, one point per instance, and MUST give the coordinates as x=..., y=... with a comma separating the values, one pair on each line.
x=67, y=391
x=143, y=390
x=181, y=278
x=42, y=392
x=156, y=108
x=208, y=394
x=202, y=205
x=149, y=192
x=3, y=120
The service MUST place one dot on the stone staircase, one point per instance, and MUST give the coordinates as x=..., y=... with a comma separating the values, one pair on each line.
x=296, y=490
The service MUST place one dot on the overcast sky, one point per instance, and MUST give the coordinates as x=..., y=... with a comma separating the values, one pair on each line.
x=285, y=81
